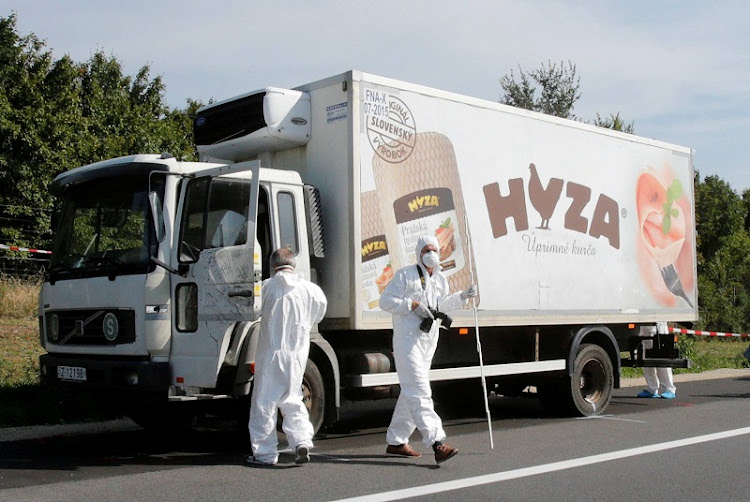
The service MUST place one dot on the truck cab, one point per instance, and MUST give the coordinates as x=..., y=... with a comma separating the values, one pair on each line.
x=154, y=286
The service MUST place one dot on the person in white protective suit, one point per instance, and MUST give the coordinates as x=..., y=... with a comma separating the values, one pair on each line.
x=409, y=296
x=291, y=306
x=659, y=381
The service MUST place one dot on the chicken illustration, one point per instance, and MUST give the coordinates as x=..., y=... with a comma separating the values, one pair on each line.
x=543, y=199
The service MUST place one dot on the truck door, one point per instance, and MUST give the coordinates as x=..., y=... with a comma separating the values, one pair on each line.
x=216, y=251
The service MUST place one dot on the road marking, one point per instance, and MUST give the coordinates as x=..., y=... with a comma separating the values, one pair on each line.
x=611, y=417
x=420, y=491
x=330, y=457
x=321, y=455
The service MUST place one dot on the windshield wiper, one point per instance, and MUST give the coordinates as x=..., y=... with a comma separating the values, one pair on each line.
x=104, y=261
x=109, y=263
x=59, y=270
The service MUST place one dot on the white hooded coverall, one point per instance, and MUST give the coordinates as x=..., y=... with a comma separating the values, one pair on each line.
x=413, y=349
x=291, y=306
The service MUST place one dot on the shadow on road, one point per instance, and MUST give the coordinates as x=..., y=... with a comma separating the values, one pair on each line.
x=140, y=447
x=220, y=442
x=215, y=441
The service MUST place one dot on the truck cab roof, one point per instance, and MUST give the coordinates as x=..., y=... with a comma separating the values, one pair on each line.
x=146, y=163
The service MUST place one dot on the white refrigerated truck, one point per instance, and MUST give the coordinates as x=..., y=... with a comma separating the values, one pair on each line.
x=575, y=236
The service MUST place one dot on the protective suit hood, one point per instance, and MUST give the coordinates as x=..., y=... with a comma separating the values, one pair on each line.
x=425, y=240
x=289, y=277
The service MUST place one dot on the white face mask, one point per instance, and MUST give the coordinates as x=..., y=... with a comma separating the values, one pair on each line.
x=430, y=259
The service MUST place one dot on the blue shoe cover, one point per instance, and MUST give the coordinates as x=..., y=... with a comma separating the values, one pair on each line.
x=645, y=393
x=668, y=395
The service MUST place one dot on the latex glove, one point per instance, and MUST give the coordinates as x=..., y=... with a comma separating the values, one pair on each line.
x=423, y=312
x=470, y=292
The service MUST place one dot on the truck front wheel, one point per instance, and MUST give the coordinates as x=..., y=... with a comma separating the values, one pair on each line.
x=592, y=381
x=314, y=395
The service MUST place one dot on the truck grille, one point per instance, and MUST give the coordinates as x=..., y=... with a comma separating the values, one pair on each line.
x=90, y=327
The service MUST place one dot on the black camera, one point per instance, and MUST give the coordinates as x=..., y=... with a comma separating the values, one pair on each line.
x=426, y=324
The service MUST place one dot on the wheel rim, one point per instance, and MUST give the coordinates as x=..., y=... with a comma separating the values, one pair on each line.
x=592, y=381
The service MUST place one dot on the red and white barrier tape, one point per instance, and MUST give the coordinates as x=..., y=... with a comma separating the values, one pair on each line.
x=707, y=333
x=27, y=250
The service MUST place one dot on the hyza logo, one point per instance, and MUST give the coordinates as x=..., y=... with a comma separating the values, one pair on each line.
x=390, y=126
x=374, y=246
x=605, y=222
x=423, y=201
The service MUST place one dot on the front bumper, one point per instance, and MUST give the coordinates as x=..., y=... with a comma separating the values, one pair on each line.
x=114, y=374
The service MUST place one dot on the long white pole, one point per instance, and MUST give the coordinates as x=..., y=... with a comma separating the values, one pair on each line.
x=476, y=332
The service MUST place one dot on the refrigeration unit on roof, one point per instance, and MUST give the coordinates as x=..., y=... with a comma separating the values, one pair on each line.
x=240, y=128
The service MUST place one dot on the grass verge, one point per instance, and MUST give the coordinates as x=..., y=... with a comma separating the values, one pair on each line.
x=24, y=400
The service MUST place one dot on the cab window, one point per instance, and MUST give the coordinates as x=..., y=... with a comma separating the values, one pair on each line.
x=215, y=216
x=287, y=221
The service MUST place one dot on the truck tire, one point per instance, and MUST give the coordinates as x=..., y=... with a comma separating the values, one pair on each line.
x=591, y=384
x=314, y=395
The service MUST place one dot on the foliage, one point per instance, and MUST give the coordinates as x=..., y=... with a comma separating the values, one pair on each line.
x=559, y=92
x=724, y=285
x=746, y=204
x=723, y=260
x=58, y=114
x=614, y=122
x=720, y=212
x=559, y=89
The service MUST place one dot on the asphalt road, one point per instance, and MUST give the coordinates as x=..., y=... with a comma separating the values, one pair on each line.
x=692, y=448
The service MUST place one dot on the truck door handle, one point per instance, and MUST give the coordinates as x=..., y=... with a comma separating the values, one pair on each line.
x=245, y=293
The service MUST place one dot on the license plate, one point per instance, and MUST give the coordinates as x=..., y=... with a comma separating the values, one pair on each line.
x=71, y=373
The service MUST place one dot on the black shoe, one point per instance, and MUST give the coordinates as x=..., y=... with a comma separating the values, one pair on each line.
x=302, y=455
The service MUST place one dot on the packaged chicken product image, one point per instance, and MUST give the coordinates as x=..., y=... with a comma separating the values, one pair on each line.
x=422, y=195
x=376, y=261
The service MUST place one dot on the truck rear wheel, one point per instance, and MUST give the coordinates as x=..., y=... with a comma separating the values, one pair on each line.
x=591, y=384
x=314, y=395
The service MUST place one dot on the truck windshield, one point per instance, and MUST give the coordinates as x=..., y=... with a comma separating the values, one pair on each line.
x=104, y=230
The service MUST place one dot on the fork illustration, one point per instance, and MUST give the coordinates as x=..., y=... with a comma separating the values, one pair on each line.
x=672, y=280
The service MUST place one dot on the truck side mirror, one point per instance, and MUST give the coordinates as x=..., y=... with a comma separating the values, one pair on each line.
x=157, y=218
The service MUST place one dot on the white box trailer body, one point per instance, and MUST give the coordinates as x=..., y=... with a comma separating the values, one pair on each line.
x=575, y=236
x=564, y=217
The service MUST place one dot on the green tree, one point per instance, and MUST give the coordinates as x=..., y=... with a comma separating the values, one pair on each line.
x=723, y=260
x=614, y=122
x=724, y=286
x=559, y=89
x=33, y=115
x=57, y=114
x=720, y=212
x=746, y=202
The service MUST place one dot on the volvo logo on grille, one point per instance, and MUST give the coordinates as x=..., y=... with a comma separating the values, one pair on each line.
x=79, y=328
